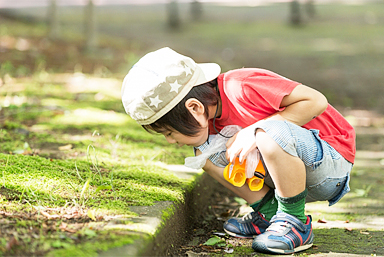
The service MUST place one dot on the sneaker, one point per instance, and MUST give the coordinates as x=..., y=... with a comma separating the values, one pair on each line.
x=285, y=235
x=248, y=226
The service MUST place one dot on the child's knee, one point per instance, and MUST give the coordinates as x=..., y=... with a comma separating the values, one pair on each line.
x=276, y=136
x=266, y=144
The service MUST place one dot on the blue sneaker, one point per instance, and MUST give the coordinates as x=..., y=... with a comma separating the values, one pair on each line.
x=285, y=235
x=248, y=226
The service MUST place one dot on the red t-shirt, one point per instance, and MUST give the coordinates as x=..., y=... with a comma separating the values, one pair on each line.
x=250, y=95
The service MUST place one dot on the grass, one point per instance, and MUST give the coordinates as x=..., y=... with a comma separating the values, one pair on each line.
x=76, y=159
x=39, y=181
x=57, y=120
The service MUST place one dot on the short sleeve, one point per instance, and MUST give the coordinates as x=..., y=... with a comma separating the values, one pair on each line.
x=267, y=92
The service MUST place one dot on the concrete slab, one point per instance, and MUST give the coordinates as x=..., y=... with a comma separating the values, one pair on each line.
x=158, y=232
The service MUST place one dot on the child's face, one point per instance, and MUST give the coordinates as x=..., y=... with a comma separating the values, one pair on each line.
x=175, y=137
x=196, y=108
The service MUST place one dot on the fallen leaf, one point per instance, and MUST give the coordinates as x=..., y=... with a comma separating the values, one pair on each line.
x=348, y=229
x=45, y=214
x=49, y=216
x=91, y=214
x=64, y=227
x=89, y=233
x=18, y=151
x=347, y=221
x=364, y=232
x=213, y=241
x=103, y=187
x=65, y=147
x=193, y=254
x=220, y=234
x=207, y=247
x=225, y=214
x=321, y=221
x=11, y=243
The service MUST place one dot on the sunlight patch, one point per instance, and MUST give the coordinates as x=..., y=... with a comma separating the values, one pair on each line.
x=92, y=116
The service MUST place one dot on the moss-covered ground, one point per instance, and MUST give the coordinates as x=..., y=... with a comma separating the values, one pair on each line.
x=71, y=160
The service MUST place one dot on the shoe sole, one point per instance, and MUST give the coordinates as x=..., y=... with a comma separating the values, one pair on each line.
x=238, y=235
x=295, y=250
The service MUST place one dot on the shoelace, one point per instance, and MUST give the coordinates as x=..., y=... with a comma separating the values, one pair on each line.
x=278, y=227
x=251, y=216
x=248, y=216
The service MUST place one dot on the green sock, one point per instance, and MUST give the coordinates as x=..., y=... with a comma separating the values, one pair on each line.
x=267, y=205
x=294, y=205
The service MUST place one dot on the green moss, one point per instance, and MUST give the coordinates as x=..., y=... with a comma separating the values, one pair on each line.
x=242, y=251
x=53, y=182
x=103, y=241
x=356, y=241
x=167, y=213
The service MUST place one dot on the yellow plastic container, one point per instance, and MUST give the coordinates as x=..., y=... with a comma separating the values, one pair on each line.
x=234, y=173
x=257, y=183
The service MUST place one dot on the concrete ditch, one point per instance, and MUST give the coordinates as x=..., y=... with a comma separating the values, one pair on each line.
x=164, y=226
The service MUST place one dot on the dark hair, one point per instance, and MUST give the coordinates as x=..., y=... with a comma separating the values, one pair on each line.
x=179, y=118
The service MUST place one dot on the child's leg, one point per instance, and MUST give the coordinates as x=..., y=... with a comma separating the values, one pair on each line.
x=288, y=174
x=290, y=230
x=299, y=163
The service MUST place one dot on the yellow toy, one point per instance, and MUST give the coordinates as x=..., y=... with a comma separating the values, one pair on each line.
x=235, y=174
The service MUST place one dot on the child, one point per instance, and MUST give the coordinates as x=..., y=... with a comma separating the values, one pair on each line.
x=307, y=147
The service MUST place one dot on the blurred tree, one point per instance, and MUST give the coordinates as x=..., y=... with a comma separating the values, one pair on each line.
x=173, y=15
x=196, y=10
x=310, y=8
x=295, y=15
x=53, y=20
x=90, y=27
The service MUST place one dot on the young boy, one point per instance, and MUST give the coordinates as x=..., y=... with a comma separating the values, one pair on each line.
x=307, y=147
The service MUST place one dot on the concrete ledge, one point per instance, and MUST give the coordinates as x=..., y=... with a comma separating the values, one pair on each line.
x=165, y=225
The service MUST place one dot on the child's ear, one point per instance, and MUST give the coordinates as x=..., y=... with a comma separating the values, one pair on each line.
x=195, y=107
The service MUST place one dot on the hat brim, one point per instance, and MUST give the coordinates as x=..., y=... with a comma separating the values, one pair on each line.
x=210, y=72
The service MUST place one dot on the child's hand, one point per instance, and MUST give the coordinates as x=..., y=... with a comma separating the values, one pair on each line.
x=241, y=144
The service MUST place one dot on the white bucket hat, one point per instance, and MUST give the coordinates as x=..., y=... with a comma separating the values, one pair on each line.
x=159, y=81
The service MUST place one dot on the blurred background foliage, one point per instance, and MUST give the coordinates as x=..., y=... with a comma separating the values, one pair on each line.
x=336, y=47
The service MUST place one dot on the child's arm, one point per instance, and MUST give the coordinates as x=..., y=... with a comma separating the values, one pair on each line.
x=301, y=106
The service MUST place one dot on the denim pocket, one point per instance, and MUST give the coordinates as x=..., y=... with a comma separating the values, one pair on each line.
x=331, y=189
x=340, y=195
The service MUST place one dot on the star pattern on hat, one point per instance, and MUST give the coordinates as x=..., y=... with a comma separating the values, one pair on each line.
x=187, y=70
x=175, y=87
x=155, y=101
